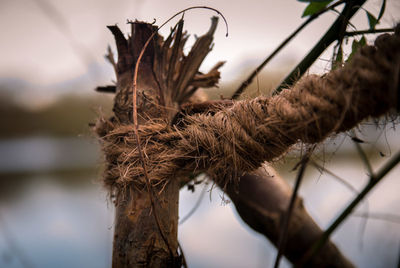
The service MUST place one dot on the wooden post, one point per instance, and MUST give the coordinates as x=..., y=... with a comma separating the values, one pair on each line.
x=147, y=219
x=143, y=236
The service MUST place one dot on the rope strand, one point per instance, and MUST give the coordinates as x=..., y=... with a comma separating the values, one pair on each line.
x=240, y=138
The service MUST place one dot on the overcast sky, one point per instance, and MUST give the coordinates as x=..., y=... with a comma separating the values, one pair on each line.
x=36, y=49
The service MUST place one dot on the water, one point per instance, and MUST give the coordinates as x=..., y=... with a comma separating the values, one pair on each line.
x=54, y=212
x=46, y=153
x=57, y=227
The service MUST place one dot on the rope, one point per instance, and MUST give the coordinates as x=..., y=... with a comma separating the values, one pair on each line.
x=240, y=138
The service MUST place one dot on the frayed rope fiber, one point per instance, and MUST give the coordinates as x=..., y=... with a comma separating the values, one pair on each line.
x=241, y=137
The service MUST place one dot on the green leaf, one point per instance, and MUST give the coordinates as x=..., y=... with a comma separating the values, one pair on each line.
x=355, y=46
x=362, y=41
x=383, y=7
x=339, y=59
x=310, y=1
x=371, y=20
x=314, y=7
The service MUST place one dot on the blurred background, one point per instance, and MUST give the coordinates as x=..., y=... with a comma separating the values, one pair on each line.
x=53, y=209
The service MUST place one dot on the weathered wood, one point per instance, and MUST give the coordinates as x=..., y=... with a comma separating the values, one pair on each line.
x=147, y=219
x=137, y=239
x=143, y=236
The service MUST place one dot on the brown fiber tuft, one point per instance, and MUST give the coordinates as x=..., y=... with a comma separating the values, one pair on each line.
x=240, y=137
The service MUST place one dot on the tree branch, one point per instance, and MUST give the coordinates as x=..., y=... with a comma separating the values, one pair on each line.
x=330, y=36
x=374, y=180
x=262, y=198
x=370, y=31
x=248, y=81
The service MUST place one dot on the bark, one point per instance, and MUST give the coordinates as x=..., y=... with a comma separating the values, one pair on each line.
x=144, y=236
x=146, y=207
x=262, y=198
x=137, y=239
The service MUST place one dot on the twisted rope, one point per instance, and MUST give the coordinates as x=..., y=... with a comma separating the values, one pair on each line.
x=240, y=138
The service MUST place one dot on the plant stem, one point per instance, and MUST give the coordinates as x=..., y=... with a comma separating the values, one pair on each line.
x=330, y=36
x=362, y=154
x=248, y=81
x=374, y=31
x=371, y=184
x=285, y=227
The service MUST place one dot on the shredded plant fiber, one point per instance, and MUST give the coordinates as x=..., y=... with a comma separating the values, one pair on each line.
x=239, y=138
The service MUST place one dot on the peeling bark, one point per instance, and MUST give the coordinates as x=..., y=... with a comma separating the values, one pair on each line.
x=147, y=219
x=143, y=236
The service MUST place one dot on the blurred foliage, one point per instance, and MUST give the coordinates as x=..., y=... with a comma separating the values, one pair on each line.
x=372, y=20
x=264, y=83
x=314, y=7
x=356, y=45
x=69, y=115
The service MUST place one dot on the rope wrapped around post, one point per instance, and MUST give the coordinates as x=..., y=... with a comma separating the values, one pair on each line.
x=229, y=141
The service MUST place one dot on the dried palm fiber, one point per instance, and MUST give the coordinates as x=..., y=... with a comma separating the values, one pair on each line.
x=237, y=139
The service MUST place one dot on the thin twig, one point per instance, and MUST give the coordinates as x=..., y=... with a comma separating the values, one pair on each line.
x=196, y=7
x=329, y=37
x=341, y=180
x=363, y=223
x=285, y=227
x=373, y=31
x=379, y=216
x=364, y=158
x=184, y=262
x=196, y=206
x=363, y=155
x=347, y=211
x=248, y=81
